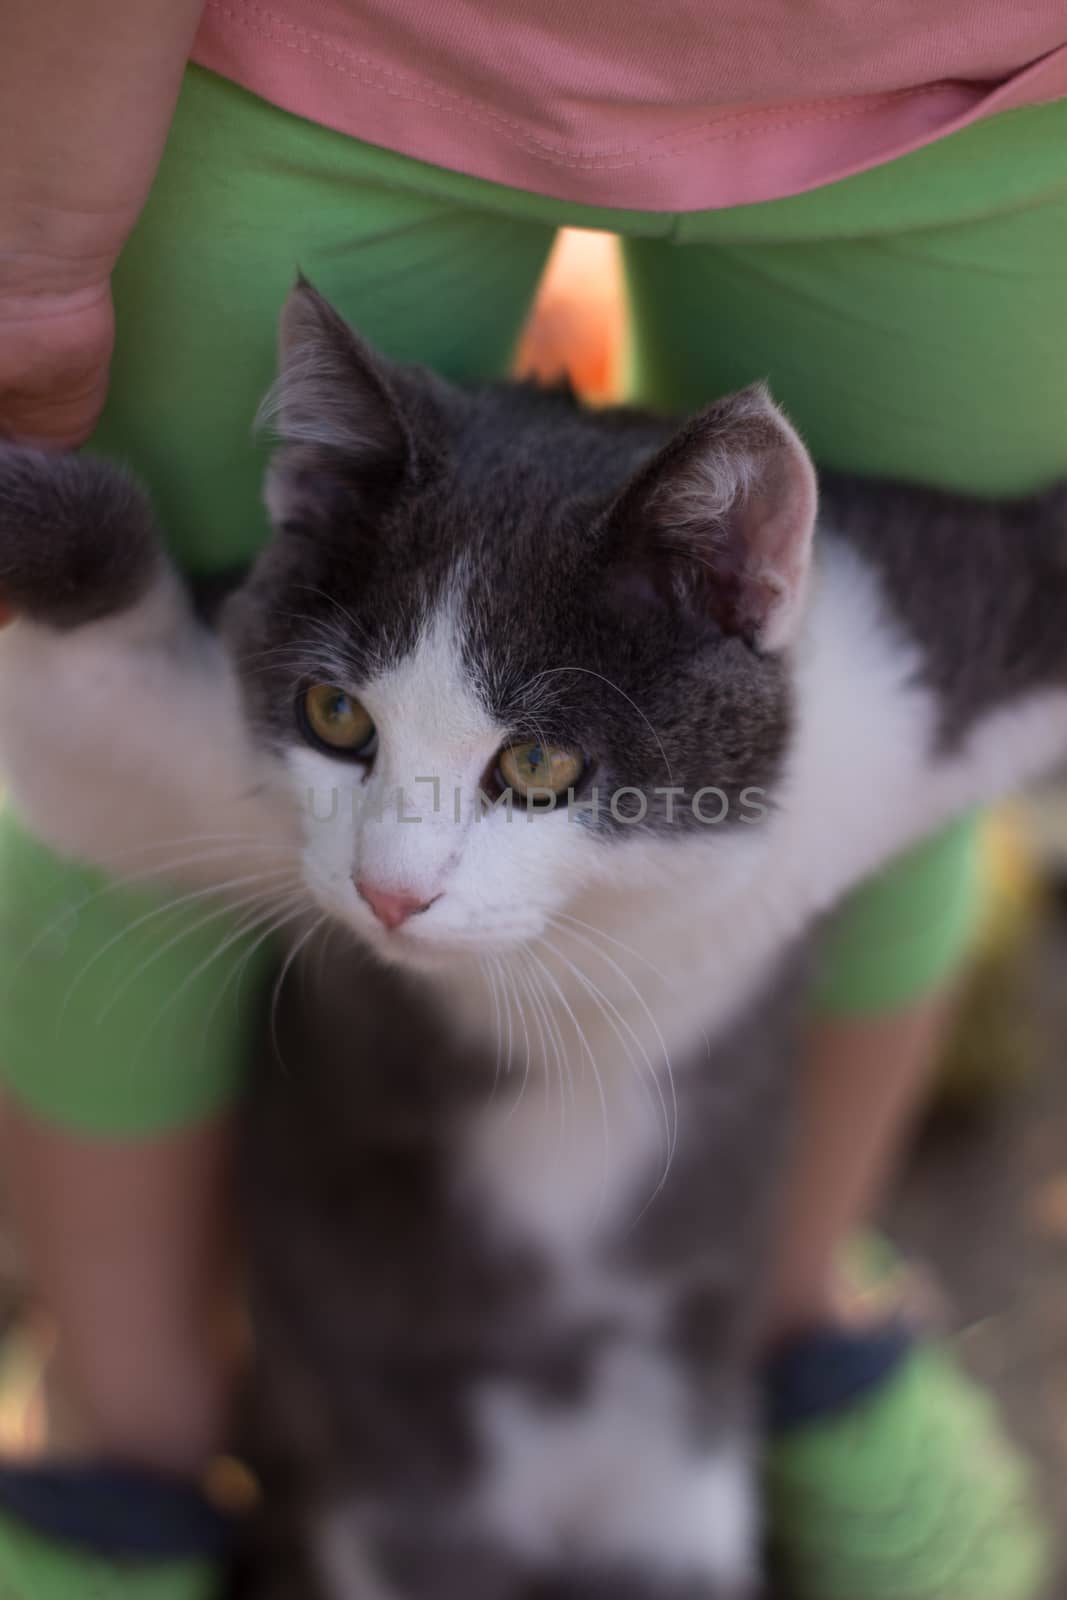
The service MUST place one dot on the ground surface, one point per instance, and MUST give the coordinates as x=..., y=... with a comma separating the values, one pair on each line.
x=984, y=1201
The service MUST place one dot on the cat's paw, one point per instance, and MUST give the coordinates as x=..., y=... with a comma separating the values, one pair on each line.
x=77, y=538
x=622, y=1584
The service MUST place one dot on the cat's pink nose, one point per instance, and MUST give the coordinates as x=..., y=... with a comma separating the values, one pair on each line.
x=391, y=906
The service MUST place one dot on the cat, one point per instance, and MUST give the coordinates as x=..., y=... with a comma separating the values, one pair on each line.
x=576, y=724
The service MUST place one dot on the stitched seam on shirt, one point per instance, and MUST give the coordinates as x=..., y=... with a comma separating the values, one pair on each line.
x=481, y=113
x=886, y=97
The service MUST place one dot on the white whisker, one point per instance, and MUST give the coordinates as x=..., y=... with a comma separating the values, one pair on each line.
x=296, y=901
x=510, y=980
x=545, y=1024
x=276, y=992
x=247, y=927
x=143, y=878
x=490, y=967
x=591, y=1059
x=230, y=905
x=588, y=672
x=617, y=1023
x=670, y=1115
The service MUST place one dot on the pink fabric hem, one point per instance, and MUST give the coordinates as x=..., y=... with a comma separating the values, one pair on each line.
x=648, y=157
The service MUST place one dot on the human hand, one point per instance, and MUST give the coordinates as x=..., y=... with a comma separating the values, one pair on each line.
x=86, y=97
x=55, y=352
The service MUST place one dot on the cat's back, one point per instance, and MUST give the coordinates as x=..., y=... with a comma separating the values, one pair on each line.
x=978, y=584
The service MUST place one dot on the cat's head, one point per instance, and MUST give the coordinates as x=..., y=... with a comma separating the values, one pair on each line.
x=503, y=649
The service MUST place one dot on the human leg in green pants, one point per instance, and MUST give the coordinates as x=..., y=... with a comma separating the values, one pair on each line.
x=430, y=265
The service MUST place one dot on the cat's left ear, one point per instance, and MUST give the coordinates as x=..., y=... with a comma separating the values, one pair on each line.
x=335, y=396
x=723, y=516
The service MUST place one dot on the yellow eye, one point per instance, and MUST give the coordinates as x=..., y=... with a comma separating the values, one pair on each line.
x=534, y=766
x=337, y=719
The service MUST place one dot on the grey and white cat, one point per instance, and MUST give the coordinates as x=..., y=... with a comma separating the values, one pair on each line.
x=578, y=726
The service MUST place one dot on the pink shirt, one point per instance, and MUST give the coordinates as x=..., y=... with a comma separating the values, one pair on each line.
x=662, y=105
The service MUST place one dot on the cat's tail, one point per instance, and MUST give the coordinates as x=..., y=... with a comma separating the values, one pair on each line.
x=78, y=540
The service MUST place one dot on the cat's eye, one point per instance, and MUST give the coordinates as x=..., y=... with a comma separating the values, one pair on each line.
x=336, y=721
x=528, y=768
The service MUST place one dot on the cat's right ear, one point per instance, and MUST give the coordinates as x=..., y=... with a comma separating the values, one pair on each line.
x=333, y=403
x=721, y=519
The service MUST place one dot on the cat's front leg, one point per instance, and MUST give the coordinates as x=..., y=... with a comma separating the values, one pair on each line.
x=633, y=1584
x=621, y=1491
x=415, y=1561
x=636, y=1476
x=121, y=736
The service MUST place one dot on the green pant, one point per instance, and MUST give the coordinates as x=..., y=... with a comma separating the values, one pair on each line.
x=911, y=319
